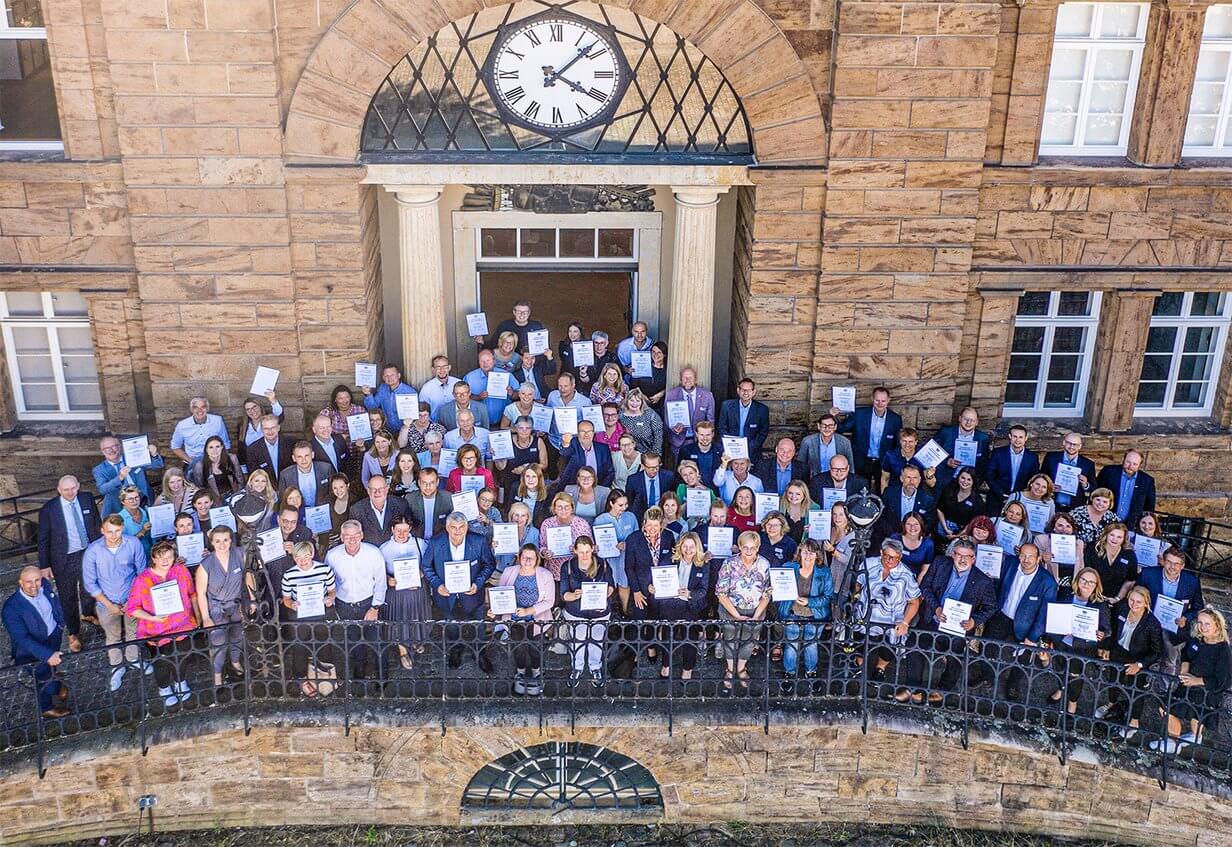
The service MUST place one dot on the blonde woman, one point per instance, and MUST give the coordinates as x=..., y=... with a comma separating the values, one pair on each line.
x=1115, y=561
x=683, y=611
x=794, y=505
x=1206, y=674
x=609, y=387
x=176, y=490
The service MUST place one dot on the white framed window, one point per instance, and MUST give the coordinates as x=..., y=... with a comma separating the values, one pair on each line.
x=1209, y=129
x=1184, y=350
x=1096, y=56
x=1050, y=353
x=29, y=119
x=50, y=352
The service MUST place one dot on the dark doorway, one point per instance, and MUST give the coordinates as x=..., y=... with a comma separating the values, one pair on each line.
x=599, y=299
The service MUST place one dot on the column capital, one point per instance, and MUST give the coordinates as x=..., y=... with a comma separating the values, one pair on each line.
x=415, y=195
x=699, y=195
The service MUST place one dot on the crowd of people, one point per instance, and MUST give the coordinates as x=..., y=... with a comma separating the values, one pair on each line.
x=573, y=488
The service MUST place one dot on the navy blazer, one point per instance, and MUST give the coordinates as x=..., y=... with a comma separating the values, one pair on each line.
x=639, y=559
x=575, y=460
x=377, y=532
x=1188, y=589
x=1032, y=612
x=259, y=457
x=107, y=481
x=980, y=592
x=53, y=534
x=1143, y=499
x=675, y=609
x=892, y=502
x=478, y=551
x=853, y=485
x=767, y=471
x=342, y=449
x=321, y=472
x=707, y=462
x=858, y=427
x=756, y=423
x=544, y=367
x=1053, y=458
x=946, y=437
x=1001, y=482
x=28, y=640
x=635, y=487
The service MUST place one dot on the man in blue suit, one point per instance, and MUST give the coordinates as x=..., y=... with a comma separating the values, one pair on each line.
x=67, y=524
x=1133, y=489
x=964, y=430
x=745, y=416
x=649, y=484
x=1010, y=467
x=35, y=624
x=872, y=431
x=458, y=544
x=903, y=497
x=1070, y=454
x=1172, y=580
x=1021, y=616
x=583, y=451
x=957, y=579
x=112, y=474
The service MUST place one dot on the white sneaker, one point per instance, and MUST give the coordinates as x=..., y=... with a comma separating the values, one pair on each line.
x=117, y=678
x=1189, y=738
x=147, y=668
x=558, y=647
x=1167, y=745
x=170, y=698
x=182, y=689
x=1102, y=711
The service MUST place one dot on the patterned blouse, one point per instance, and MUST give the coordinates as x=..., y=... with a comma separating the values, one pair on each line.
x=140, y=598
x=337, y=419
x=599, y=395
x=578, y=527
x=744, y=585
x=646, y=429
x=1085, y=529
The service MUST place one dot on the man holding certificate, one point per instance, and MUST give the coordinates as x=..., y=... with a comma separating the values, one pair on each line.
x=161, y=603
x=1174, y=583
x=359, y=571
x=457, y=564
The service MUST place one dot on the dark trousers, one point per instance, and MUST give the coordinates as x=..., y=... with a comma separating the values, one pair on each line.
x=684, y=637
x=166, y=668
x=73, y=600
x=305, y=638
x=363, y=655
x=936, y=651
x=48, y=685
x=870, y=469
x=527, y=655
x=1011, y=681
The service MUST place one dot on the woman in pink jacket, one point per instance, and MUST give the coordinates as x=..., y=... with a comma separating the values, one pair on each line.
x=534, y=590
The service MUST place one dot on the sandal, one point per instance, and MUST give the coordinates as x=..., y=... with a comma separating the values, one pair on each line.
x=665, y=672
x=308, y=689
x=728, y=682
x=404, y=659
x=744, y=678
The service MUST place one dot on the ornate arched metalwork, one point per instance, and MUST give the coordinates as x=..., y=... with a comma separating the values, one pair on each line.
x=678, y=106
x=563, y=775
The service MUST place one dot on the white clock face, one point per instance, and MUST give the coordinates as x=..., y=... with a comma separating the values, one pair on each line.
x=556, y=74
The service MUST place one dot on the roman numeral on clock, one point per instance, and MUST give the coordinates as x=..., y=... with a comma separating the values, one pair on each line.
x=556, y=116
x=513, y=95
x=532, y=111
x=558, y=32
x=605, y=74
x=532, y=38
x=512, y=74
x=597, y=94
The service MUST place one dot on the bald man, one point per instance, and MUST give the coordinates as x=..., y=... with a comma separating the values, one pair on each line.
x=34, y=622
x=67, y=524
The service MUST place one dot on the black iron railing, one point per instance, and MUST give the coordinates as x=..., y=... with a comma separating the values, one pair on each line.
x=353, y=667
x=19, y=525
x=1207, y=543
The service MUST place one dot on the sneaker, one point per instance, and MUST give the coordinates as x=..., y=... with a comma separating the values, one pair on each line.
x=519, y=683
x=1189, y=738
x=1169, y=746
x=117, y=678
x=182, y=689
x=147, y=668
x=534, y=685
x=170, y=697
x=1103, y=711
x=596, y=677
x=559, y=647
x=575, y=676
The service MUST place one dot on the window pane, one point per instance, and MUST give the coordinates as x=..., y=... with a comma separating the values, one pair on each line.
x=1113, y=64
x=1120, y=20
x=1063, y=98
x=1199, y=339
x=1068, y=339
x=615, y=243
x=1150, y=394
x=1028, y=339
x=35, y=368
x=1104, y=130
x=24, y=13
x=79, y=369
x=1063, y=368
x=1034, y=303
x=1060, y=394
x=538, y=243
x=500, y=243
x=30, y=339
x=1020, y=394
x=85, y=398
x=1218, y=22
x=1207, y=98
x=1168, y=304
x=1194, y=368
x=1068, y=64
x=1074, y=19
x=69, y=304
x=1189, y=394
x=1024, y=367
x=1200, y=132
x=1207, y=303
x=1074, y=303
x=1059, y=129
x=40, y=398
x=24, y=303
x=577, y=243
x=1155, y=368
x=75, y=339
x=26, y=92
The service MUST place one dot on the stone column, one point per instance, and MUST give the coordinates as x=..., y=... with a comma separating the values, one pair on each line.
x=1124, y=325
x=691, y=329
x=992, y=355
x=423, y=278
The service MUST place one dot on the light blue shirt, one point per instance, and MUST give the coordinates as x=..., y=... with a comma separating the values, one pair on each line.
x=957, y=584
x=624, y=350
x=111, y=572
x=876, y=431
x=728, y=484
x=454, y=440
x=744, y=414
x=1015, y=464
x=191, y=436
x=826, y=452
x=328, y=448
x=478, y=381
x=1168, y=588
x=74, y=522
x=1125, y=496
x=384, y=400
x=307, y=486
x=907, y=504
x=43, y=606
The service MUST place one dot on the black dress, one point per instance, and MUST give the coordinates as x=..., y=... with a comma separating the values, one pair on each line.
x=1212, y=662
x=521, y=456
x=1114, y=574
x=958, y=512
x=652, y=385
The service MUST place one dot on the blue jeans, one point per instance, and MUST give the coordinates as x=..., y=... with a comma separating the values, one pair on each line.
x=791, y=649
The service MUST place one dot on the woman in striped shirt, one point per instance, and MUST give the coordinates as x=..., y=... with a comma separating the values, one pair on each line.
x=307, y=577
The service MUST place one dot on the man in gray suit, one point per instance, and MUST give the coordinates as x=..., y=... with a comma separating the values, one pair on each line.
x=447, y=415
x=310, y=477
x=430, y=505
x=820, y=447
x=377, y=514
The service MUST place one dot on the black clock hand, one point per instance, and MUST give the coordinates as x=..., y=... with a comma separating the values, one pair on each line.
x=575, y=86
x=556, y=74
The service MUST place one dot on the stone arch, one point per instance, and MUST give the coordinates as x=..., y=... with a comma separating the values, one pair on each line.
x=330, y=101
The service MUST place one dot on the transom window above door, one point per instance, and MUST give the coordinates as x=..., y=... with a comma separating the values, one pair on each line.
x=559, y=244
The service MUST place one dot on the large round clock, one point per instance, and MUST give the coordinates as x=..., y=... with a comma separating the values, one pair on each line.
x=556, y=72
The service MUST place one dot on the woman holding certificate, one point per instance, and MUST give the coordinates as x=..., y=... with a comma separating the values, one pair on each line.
x=1090, y=520
x=406, y=601
x=534, y=595
x=1206, y=674
x=558, y=533
x=217, y=470
x=609, y=387
x=1037, y=499
x=136, y=519
x=1088, y=593
x=652, y=383
x=795, y=506
x=307, y=590
x=380, y=458
x=1061, y=548
x=470, y=464
x=958, y=503
x=176, y=490
x=533, y=492
x=586, y=587
x=414, y=432
x=529, y=451
x=805, y=616
x=1136, y=643
x=220, y=589
x=743, y=592
x=519, y=516
x=161, y=601
x=688, y=606
x=619, y=517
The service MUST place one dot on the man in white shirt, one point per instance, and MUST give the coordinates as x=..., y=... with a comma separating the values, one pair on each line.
x=359, y=573
x=438, y=391
x=188, y=439
x=1026, y=592
x=467, y=433
x=565, y=396
x=732, y=474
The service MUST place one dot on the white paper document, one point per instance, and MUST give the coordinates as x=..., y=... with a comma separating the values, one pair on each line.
x=1064, y=548
x=269, y=545
x=406, y=574
x=473, y=482
x=447, y=462
x=736, y=446
x=830, y=496
x=477, y=324
x=966, y=451
x=988, y=558
x=1037, y=515
x=1167, y=611
x=540, y=417
x=642, y=366
x=537, y=342
x=956, y=613
x=783, y=585
x=678, y=414
x=466, y=503
x=407, y=406
x=818, y=525
x=931, y=454
x=764, y=504
x=498, y=384
x=666, y=581
x=606, y=540
x=504, y=539
x=264, y=380
x=594, y=596
x=365, y=374
x=501, y=443
x=191, y=547
x=719, y=540
x=1146, y=549
x=583, y=354
x=566, y=418
x=316, y=518
x=1009, y=536
x=1067, y=478
x=136, y=451
x=221, y=516
x=167, y=598
x=503, y=600
x=559, y=540
x=844, y=397
x=162, y=520
x=457, y=577
x=311, y=600
x=1069, y=619
x=594, y=414
x=359, y=427
x=697, y=503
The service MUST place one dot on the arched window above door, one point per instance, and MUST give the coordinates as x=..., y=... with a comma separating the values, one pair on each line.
x=568, y=81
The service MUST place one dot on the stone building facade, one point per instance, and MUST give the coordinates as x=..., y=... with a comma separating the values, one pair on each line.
x=214, y=208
